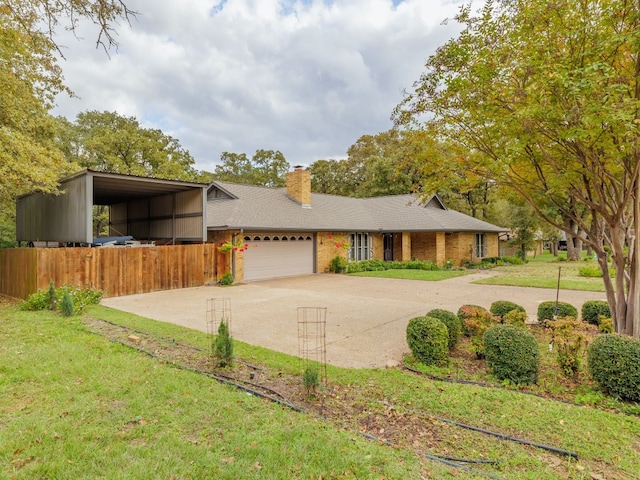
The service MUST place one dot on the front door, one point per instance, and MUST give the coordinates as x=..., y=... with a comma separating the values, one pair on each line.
x=387, y=240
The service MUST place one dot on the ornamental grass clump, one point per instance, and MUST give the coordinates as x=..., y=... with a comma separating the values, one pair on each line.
x=451, y=320
x=614, y=363
x=512, y=354
x=550, y=311
x=428, y=340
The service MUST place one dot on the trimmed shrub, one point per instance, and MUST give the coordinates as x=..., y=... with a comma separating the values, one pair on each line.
x=547, y=310
x=224, y=345
x=569, y=341
x=81, y=298
x=606, y=324
x=515, y=317
x=451, y=320
x=502, y=307
x=428, y=340
x=51, y=296
x=590, y=271
x=66, y=306
x=593, y=309
x=475, y=321
x=614, y=363
x=512, y=354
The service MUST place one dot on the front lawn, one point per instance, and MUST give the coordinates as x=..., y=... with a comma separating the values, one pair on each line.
x=77, y=404
x=427, y=275
x=542, y=271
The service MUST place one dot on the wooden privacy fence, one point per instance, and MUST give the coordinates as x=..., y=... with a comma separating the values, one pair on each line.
x=115, y=271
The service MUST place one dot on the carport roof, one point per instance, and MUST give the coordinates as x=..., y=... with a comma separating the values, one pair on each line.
x=114, y=188
x=234, y=206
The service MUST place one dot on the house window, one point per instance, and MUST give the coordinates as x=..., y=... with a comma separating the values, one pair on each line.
x=361, y=247
x=481, y=245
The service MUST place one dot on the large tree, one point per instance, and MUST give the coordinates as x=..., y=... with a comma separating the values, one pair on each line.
x=549, y=94
x=109, y=142
x=266, y=168
x=30, y=78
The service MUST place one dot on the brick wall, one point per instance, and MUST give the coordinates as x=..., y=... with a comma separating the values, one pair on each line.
x=327, y=250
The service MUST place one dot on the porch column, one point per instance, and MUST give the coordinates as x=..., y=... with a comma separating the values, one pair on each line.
x=406, y=246
x=441, y=251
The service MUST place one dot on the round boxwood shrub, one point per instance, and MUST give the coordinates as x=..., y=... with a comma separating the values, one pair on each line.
x=547, y=310
x=428, y=340
x=502, y=307
x=512, y=354
x=451, y=320
x=593, y=309
x=614, y=363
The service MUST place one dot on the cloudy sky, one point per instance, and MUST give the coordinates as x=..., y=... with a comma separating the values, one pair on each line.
x=306, y=77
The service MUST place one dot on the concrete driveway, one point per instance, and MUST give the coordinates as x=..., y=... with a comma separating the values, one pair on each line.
x=366, y=317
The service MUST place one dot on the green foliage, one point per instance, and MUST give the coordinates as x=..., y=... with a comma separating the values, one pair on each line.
x=110, y=142
x=338, y=264
x=475, y=322
x=515, y=317
x=374, y=265
x=226, y=279
x=605, y=324
x=428, y=340
x=592, y=310
x=66, y=306
x=80, y=298
x=311, y=379
x=569, y=341
x=223, y=349
x=502, y=307
x=51, y=296
x=451, y=320
x=541, y=117
x=512, y=354
x=614, y=363
x=548, y=311
x=266, y=168
x=591, y=271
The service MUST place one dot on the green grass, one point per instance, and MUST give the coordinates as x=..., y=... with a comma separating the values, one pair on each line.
x=408, y=274
x=542, y=271
x=75, y=405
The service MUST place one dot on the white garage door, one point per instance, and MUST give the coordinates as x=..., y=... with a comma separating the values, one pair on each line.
x=272, y=256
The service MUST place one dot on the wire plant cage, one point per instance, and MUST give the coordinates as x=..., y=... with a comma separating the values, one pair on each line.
x=218, y=311
x=312, y=341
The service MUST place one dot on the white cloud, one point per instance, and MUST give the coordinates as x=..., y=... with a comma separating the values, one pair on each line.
x=307, y=78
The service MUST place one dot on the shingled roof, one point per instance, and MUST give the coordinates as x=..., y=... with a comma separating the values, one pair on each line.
x=233, y=206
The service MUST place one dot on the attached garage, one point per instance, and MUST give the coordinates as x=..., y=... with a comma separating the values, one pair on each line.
x=274, y=255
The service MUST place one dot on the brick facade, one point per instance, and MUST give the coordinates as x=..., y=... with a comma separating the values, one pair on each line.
x=438, y=247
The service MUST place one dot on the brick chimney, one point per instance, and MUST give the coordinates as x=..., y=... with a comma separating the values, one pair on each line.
x=299, y=186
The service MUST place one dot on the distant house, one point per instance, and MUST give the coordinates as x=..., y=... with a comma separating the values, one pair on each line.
x=291, y=231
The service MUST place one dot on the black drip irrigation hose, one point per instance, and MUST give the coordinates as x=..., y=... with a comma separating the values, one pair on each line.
x=438, y=458
x=485, y=385
x=450, y=461
x=502, y=436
